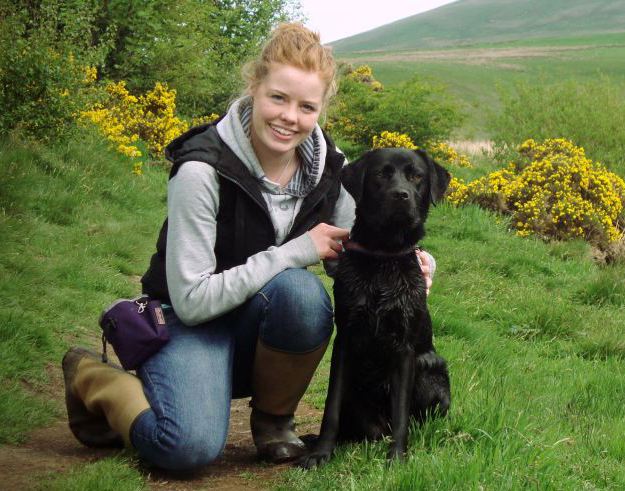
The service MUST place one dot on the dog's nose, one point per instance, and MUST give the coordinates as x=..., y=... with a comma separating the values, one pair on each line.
x=401, y=195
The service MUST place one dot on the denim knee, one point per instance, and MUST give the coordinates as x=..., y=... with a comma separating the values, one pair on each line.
x=298, y=316
x=176, y=449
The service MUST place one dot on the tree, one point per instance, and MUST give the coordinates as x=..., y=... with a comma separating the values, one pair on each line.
x=46, y=47
x=196, y=46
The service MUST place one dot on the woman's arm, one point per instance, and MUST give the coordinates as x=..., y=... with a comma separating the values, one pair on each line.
x=196, y=292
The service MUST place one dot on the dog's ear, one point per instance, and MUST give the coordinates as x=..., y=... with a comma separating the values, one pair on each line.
x=353, y=178
x=439, y=177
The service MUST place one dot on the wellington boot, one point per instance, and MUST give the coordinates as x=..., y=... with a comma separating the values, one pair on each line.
x=275, y=437
x=103, y=401
x=279, y=382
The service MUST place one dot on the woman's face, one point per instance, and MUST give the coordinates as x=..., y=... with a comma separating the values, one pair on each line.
x=287, y=104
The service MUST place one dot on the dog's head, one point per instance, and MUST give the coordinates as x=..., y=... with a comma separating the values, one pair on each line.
x=393, y=189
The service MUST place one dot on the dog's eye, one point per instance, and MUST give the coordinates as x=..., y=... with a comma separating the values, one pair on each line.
x=412, y=176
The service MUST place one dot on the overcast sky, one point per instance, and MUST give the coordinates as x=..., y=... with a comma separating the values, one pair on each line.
x=337, y=19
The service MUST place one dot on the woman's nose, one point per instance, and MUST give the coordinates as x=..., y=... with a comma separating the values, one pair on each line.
x=289, y=113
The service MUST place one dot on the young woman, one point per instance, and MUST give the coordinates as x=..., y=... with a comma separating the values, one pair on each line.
x=252, y=201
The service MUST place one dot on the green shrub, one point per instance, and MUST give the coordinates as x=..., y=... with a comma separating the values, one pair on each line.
x=46, y=64
x=364, y=109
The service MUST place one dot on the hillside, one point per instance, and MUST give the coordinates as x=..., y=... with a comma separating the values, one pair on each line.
x=471, y=22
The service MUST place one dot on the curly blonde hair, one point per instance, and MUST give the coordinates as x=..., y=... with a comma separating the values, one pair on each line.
x=295, y=45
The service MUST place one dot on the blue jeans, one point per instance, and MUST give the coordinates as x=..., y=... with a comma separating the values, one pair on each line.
x=191, y=381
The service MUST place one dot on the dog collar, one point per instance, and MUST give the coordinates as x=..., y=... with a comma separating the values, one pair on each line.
x=350, y=245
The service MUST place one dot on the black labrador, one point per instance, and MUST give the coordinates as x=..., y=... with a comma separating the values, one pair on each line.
x=384, y=367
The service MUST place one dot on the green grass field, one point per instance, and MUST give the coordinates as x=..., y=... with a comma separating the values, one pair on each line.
x=475, y=75
x=532, y=332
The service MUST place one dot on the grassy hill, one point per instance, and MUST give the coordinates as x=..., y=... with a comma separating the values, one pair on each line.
x=471, y=22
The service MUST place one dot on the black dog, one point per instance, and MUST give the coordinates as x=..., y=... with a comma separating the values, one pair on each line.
x=384, y=367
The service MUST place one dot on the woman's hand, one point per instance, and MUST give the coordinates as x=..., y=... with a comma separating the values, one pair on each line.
x=424, y=260
x=326, y=237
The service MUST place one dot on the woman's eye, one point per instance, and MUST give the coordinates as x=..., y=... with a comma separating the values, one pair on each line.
x=277, y=97
x=309, y=108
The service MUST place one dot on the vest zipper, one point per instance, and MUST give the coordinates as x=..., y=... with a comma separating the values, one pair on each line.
x=238, y=184
x=299, y=216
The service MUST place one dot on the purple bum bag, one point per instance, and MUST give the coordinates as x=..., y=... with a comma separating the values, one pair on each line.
x=135, y=328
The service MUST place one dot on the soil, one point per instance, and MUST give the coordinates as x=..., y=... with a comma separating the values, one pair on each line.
x=54, y=450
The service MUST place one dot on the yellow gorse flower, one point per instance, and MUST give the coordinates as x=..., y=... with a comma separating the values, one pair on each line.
x=204, y=119
x=364, y=74
x=444, y=154
x=553, y=191
x=393, y=139
x=125, y=119
x=91, y=74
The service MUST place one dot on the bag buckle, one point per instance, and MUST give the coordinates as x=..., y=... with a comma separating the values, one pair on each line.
x=142, y=306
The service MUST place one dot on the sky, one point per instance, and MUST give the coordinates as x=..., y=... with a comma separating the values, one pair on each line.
x=337, y=19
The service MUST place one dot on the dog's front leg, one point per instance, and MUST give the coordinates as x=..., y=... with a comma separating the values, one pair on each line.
x=330, y=423
x=402, y=381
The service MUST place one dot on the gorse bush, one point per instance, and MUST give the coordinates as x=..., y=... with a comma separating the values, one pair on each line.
x=148, y=120
x=444, y=154
x=364, y=74
x=554, y=191
x=125, y=119
x=393, y=139
x=440, y=151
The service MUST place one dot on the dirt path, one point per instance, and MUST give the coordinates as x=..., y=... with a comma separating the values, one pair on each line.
x=54, y=450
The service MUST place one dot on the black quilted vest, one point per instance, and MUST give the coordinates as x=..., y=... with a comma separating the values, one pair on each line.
x=244, y=225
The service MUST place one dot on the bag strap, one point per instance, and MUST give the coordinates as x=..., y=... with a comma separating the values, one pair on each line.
x=105, y=357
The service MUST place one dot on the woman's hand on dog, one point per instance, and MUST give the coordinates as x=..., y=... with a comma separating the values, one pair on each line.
x=326, y=239
x=424, y=261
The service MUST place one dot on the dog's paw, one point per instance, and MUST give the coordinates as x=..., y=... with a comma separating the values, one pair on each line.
x=396, y=453
x=314, y=459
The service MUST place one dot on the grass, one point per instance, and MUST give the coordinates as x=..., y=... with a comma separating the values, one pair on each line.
x=487, y=22
x=113, y=474
x=77, y=229
x=532, y=332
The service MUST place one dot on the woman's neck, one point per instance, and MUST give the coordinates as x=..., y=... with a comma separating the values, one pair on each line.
x=278, y=168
